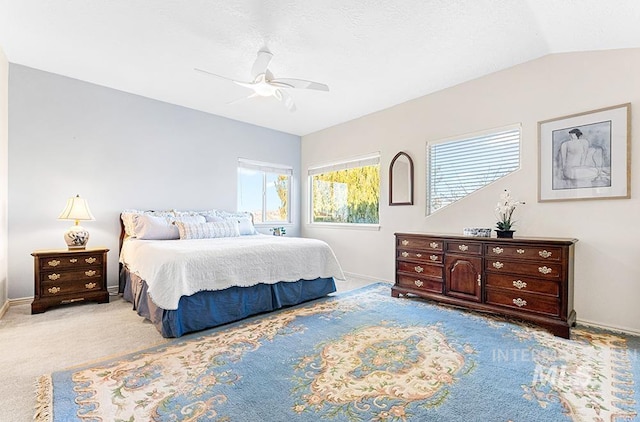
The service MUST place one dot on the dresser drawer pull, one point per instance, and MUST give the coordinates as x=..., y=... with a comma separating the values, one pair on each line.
x=405, y=242
x=405, y=254
x=53, y=263
x=419, y=283
x=418, y=269
x=544, y=254
x=463, y=247
x=519, y=302
x=545, y=270
x=498, y=250
x=433, y=257
x=419, y=255
x=54, y=289
x=90, y=273
x=90, y=260
x=73, y=260
x=520, y=251
x=90, y=285
x=519, y=284
x=54, y=276
x=434, y=245
x=498, y=265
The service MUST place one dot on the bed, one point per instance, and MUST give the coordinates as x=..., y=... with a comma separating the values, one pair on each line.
x=192, y=270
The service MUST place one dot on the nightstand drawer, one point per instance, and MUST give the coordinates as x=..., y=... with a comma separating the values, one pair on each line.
x=77, y=287
x=70, y=261
x=66, y=276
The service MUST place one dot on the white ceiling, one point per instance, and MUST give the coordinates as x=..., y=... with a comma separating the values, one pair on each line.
x=373, y=54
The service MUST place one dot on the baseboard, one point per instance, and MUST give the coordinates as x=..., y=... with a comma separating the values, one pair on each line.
x=21, y=301
x=4, y=309
x=365, y=277
x=624, y=330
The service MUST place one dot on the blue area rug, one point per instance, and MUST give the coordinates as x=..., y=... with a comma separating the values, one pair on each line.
x=360, y=356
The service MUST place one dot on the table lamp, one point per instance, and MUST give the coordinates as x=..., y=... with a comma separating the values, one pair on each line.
x=76, y=209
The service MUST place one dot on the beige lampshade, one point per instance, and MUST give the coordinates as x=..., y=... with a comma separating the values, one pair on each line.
x=76, y=209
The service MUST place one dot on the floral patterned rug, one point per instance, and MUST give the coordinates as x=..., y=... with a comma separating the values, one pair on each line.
x=359, y=356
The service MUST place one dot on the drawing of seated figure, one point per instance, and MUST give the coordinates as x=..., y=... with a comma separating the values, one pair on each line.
x=582, y=163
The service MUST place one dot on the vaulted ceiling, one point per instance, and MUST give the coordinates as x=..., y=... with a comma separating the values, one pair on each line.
x=372, y=54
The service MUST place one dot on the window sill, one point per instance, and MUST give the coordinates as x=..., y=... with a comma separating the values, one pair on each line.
x=355, y=226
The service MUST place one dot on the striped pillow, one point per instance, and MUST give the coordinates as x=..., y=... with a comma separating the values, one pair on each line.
x=226, y=228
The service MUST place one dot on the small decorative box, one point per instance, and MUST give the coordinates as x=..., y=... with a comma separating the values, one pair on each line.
x=477, y=232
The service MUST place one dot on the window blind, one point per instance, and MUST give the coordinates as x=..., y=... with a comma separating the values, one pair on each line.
x=363, y=161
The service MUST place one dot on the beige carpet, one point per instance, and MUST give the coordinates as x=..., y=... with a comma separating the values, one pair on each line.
x=33, y=345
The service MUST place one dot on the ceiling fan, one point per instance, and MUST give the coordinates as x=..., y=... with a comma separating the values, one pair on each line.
x=265, y=85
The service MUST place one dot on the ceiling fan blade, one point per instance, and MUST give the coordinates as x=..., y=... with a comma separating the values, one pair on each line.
x=261, y=63
x=299, y=84
x=213, y=74
x=237, y=100
x=285, y=99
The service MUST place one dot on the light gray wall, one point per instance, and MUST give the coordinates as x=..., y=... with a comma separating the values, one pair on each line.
x=4, y=140
x=118, y=151
x=607, y=268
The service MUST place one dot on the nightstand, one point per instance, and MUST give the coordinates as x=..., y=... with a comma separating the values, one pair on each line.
x=67, y=276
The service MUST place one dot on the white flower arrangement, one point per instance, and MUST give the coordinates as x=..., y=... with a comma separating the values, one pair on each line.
x=505, y=209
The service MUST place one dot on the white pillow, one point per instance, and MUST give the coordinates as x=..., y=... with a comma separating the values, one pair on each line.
x=227, y=228
x=161, y=228
x=245, y=226
x=129, y=216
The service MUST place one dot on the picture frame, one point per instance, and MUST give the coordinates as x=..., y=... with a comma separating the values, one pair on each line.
x=585, y=155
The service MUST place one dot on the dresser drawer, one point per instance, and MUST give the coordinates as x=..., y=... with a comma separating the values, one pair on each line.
x=77, y=287
x=547, y=270
x=420, y=256
x=87, y=273
x=524, y=302
x=70, y=261
x=541, y=253
x=404, y=242
x=420, y=283
x=422, y=270
x=463, y=247
x=523, y=284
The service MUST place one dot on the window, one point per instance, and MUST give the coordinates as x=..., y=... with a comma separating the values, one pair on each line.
x=264, y=190
x=458, y=167
x=346, y=192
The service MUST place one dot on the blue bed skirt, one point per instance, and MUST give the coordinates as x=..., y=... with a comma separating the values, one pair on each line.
x=208, y=309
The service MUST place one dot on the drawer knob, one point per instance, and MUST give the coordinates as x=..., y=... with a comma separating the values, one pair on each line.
x=519, y=302
x=498, y=265
x=463, y=247
x=90, y=260
x=545, y=270
x=405, y=254
x=419, y=283
x=53, y=263
x=419, y=255
x=433, y=257
x=90, y=285
x=498, y=250
x=54, y=289
x=73, y=260
x=544, y=254
x=434, y=245
x=90, y=273
x=405, y=242
x=519, y=284
x=520, y=251
x=418, y=269
x=54, y=276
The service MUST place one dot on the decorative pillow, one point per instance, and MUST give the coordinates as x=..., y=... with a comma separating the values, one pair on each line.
x=228, y=228
x=161, y=228
x=245, y=226
x=129, y=217
x=213, y=218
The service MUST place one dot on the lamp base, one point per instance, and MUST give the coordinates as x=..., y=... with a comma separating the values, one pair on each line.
x=76, y=237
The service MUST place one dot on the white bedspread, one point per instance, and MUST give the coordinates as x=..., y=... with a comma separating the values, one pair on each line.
x=175, y=268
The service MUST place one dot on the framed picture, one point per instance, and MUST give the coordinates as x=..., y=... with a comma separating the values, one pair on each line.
x=585, y=155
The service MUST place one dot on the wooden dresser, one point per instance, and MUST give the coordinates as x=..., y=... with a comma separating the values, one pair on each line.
x=66, y=276
x=526, y=278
